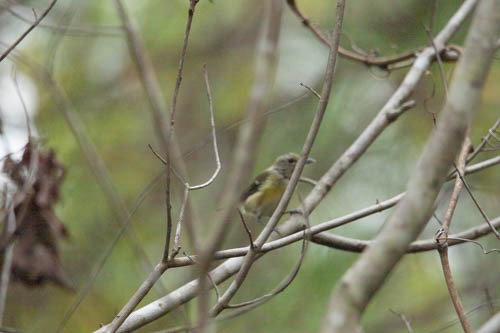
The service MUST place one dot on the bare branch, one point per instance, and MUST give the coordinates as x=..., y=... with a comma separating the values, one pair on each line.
x=137, y=297
x=214, y=136
x=81, y=31
x=442, y=236
x=314, y=92
x=178, y=229
x=450, y=53
x=26, y=33
x=474, y=242
x=404, y=319
x=492, y=325
x=364, y=278
x=484, y=141
x=356, y=245
x=283, y=284
x=10, y=227
x=439, y=61
x=478, y=206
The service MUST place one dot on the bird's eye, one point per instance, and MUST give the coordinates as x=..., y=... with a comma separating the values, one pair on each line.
x=291, y=160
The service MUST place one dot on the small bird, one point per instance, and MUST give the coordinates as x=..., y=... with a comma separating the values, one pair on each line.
x=264, y=193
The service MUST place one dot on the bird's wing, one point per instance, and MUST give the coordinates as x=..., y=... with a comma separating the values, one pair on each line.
x=253, y=187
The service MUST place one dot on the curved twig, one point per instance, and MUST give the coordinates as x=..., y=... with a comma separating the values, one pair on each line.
x=449, y=53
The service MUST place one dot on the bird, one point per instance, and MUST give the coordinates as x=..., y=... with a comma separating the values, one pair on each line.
x=264, y=193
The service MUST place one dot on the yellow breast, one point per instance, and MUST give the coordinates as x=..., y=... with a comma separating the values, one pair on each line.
x=264, y=201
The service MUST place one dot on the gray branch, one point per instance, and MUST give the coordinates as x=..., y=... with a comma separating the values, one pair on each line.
x=355, y=290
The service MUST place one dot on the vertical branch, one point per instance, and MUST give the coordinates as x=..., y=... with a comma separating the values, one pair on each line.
x=146, y=74
x=178, y=80
x=358, y=285
x=442, y=237
x=10, y=227
x=168, y=142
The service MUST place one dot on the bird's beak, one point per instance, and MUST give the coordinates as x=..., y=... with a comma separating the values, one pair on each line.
x=310, y=160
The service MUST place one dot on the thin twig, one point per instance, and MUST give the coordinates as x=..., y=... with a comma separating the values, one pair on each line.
x=26, y=33
x=439, y=61
x=214, y=136
x=10, y=227
x=283, y=284
x=173, y=109
x=237, y=123
x=96, y=269
x=314, y=92
x=247, y=230
x=465, y=240
x=168, y=142
x=392, y=62
x=442, y=236
x=287, y=280
x=404, y=319
x=81, y=31
x=23, y=103
x=178, y=229
x=484, y=141
x=478, y=206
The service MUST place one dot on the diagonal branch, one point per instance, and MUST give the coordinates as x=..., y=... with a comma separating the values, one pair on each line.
x=358, y=285
x=27, y=32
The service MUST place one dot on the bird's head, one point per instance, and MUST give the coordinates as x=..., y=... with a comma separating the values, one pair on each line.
x=285, y=164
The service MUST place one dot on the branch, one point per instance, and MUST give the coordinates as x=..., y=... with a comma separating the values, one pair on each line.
x=8, y=252
x=357, y=245
x=152, y=89
x=168, y=150
x=358, y=285
x=251, y=256
x=491, y=326
x=139, y=295
x=442, y=237
x=26, y=33
x=80, y=31
x=450, y=53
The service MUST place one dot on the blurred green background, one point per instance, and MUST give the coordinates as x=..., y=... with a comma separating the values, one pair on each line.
x=102, y=83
